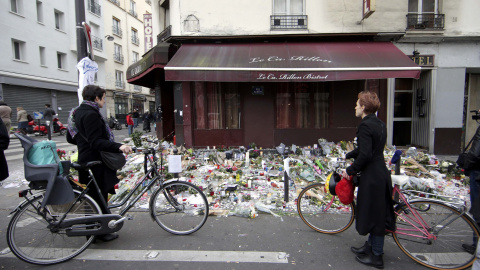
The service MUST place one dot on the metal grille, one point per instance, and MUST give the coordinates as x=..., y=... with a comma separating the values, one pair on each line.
x=421, y=117
x=116, y=2
x=425, y=21
x=67, y=101
x=97, y=43
x=135, y=40
x=118, y=57
x=31, y=99
x=288, y=22
x=94, y=7
x=120, y=84
x=117, y=30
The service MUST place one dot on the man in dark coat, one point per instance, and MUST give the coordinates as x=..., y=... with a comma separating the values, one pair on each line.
x=89, y=131
x=374, y=212
x=4, y=142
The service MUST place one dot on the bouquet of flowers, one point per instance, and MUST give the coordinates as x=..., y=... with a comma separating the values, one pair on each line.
x=62, y=154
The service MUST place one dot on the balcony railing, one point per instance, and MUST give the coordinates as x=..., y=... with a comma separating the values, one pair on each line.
x=165, y=34
x=116, y=2
x=133, y=13
x=120, y=84
x=97, y=43
x=288, y=22
x=137, y=88
x=118, y=57
x=117, y=30
x=425, y=21
x=95, y=8
x=135, y=40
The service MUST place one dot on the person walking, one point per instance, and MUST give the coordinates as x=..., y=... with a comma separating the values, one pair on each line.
x=6, y=115
x=95, y=136
x=4, y=142
x=130, y=123
x=147, y=117
x=135, y=117
x=472, y=169
x=22, y=120
x=374, y=197
x=48, y=116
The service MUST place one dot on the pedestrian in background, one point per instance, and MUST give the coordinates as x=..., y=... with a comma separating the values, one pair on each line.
x=374, y=211
x=6, y=115
x=4, y=142
x=130, y=123
x=48, y=116
x=22, y=120
x=147, y=117
x=135, y=117
x=90, y=132
x=472, y=169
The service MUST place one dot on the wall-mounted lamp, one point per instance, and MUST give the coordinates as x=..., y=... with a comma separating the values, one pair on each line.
x=109, y=38
x=416, y=53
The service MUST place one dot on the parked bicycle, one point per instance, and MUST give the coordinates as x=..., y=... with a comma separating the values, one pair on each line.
x=430, y=231
x=44, y=233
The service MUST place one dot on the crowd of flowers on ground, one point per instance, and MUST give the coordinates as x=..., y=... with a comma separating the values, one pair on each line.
x=244, y=181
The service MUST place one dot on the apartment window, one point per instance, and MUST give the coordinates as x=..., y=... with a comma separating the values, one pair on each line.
x=39, y=11
x=288, y=14
x=217, y=105
x=117, y=56
x=121, y=105
x=135, y=39
x=61, y=60
x=119, y=79
x=18, y=50
x=15, y=6
x=133, y=8
x=302, y=105
x=59, y=22
x=43, y=61
x=135, y=57
x=424, y=14
x=94, y=7
x=117, y=30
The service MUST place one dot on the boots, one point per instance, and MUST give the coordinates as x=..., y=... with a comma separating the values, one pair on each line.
x=371, y=260
x=364, y=250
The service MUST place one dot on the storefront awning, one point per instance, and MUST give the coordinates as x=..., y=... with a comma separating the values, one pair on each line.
x=142, y=72
x=273, y=62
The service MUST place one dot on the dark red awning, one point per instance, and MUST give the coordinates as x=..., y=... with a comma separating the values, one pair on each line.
x=272, y=62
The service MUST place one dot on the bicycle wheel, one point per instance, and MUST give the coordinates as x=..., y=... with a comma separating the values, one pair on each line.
x=312, y=206
x=448, y=229
x=179, y=207
x=30, y=238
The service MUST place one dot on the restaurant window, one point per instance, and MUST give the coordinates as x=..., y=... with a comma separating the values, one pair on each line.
x=302, y=105
x=217, y=105
x=121, y=105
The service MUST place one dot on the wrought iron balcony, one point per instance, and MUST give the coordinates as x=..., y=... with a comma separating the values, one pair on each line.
x=166, y=33
x=117, y=30
x=118, y=57
x=133, y=13
x=288, y=22
x=137, y=88
x=116, y=2
x=135, y=40
x=425, y=21
x=94, y=7
x=97, y=43
x=120, y=84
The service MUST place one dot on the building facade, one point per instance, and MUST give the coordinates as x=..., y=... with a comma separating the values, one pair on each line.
x=39, y=45
x=216, y=106
x=124, y=22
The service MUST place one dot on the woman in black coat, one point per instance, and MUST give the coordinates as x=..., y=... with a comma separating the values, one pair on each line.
x=90, y=132
x=4, y=142
x=374, y=212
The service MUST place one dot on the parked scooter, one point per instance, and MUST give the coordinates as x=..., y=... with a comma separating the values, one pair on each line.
x=114, y=123
x=58, y=127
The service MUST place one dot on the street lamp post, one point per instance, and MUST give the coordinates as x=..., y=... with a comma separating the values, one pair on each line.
x=81, y=39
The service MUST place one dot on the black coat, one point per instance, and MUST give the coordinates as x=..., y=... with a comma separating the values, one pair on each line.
x=374, y=197
x=90, y=124
x=4, y=142
x=472, y=161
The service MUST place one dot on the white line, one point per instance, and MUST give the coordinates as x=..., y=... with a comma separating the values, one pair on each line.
x=180, y=256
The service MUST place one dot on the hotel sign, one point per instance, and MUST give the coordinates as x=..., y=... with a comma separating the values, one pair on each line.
x=423, y=60
x=368, y=8
x=148, y=28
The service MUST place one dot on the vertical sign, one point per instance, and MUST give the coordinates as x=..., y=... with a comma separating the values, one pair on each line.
x=368, y=8
x=147, y=23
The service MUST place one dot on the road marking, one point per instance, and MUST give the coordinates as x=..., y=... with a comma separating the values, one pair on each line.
x=180, y=256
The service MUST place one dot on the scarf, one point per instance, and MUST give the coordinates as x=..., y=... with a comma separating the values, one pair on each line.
x=72, y=128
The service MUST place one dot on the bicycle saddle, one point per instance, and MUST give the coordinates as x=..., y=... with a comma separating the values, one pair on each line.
x=85, y=166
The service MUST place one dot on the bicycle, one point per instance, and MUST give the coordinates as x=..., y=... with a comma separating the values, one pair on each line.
x=428, y=230
x=44, y=234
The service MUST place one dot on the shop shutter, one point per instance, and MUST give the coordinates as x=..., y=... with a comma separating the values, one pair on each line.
x=31, y=99
x=67, y=101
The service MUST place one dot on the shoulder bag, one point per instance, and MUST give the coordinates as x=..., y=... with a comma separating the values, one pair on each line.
x=114, y=161
x=463, y=156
